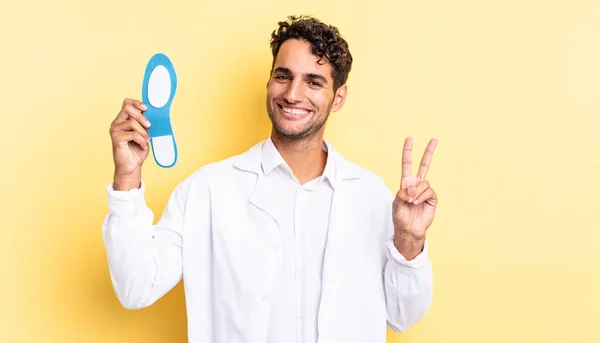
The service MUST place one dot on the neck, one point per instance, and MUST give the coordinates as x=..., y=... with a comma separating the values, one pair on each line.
x=305, y=157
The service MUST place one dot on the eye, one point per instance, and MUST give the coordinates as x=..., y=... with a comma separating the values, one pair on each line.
x=315, y=84
x=282, y=77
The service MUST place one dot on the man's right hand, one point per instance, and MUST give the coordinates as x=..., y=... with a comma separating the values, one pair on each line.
x=130, y=143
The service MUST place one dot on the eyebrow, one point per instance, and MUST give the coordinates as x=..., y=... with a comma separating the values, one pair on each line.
x=313, y=76
x=317, y=77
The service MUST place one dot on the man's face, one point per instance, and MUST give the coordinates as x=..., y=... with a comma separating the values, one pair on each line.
x=300, y=91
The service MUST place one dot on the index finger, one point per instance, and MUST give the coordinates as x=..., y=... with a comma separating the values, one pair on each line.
x=426, y=160
x=134, y=113
x=135, y=103
x=132, y=108
x=407, y=157
x=407, y=179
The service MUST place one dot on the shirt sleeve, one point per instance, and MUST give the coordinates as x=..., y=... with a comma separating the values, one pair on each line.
x=144, y=260
x=408, y=287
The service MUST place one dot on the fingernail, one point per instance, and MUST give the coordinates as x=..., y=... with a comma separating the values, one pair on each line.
x=148, y=123
x=410, y=200
x=416, y=201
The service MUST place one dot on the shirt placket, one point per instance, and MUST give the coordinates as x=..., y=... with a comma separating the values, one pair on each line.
x=300, y=212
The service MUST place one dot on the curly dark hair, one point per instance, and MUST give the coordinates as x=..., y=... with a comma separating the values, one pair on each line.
x=326, y=42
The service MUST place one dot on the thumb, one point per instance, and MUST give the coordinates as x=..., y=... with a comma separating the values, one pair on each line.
x=409, y=183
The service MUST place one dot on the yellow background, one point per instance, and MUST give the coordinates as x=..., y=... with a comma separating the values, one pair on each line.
x=510, y=88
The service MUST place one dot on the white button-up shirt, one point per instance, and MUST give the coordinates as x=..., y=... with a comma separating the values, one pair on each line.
x=304, y=219
x=265, y=259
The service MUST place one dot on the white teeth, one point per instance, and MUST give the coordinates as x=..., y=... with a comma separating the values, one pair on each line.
x=294, y=111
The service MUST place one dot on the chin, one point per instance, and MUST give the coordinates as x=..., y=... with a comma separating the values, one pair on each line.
x=292, y=133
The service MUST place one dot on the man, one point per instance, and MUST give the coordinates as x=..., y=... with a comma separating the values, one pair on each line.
x=287, y=242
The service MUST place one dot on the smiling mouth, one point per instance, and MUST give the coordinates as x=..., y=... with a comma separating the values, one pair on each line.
x=293, y=111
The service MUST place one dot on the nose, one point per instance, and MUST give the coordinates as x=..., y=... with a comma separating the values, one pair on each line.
x=293, y=92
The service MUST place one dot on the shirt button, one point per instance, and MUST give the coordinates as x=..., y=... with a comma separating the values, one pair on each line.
x=265, y=298
x=300, y=274
x=275, y=246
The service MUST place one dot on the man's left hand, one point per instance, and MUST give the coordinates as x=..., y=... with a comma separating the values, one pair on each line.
x=415, y=203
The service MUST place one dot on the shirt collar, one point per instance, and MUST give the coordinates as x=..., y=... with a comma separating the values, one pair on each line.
x=271, y=159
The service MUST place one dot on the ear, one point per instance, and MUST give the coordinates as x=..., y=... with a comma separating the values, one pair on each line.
x=339, y=98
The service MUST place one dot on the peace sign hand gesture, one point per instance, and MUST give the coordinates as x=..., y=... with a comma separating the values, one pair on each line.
x=415, y=203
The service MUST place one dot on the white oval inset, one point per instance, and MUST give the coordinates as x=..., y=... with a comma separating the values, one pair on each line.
x=164, y=150
x=159, y=87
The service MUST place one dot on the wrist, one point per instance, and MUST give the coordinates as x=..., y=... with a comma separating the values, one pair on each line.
x=127, y=182
x=408, y=245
